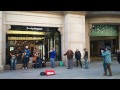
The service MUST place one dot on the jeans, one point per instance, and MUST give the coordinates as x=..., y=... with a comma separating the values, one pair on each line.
x=69, y=62
x=86, y=63
x=13, y=63
x=52, y=61
x=25, y=62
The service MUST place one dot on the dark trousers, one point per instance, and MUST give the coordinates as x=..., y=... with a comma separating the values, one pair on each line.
x=25, y=62
x=39, y=62
x=107, y=66
x=79, y=63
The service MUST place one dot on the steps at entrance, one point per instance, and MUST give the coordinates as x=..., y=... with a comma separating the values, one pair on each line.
x=20, y=66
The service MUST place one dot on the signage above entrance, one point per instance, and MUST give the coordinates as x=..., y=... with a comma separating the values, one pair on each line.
x=32, y=28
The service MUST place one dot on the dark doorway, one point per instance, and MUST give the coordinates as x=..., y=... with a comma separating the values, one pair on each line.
x=43, y=37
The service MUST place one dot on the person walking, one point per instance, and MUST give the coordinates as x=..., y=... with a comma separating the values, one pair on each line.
x=78, y=57
x=69, y=54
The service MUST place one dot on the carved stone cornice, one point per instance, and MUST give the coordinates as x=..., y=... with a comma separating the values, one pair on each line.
x=75, y=12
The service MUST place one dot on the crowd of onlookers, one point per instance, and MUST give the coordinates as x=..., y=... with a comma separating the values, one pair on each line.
x=106, y=54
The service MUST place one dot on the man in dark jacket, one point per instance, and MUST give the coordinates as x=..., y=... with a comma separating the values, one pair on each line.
x=78, y=57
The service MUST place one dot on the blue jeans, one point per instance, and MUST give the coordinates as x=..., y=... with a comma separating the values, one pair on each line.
x=86, y=63
x=13, y=63
x=25, y=62
x=52, y=61
x=70, y=62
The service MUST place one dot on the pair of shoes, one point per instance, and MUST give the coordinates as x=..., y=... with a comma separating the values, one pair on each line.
x=68, y=68
x=110, y=75
x=105, y=74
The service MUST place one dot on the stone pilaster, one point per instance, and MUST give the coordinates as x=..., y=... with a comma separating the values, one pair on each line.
x=87, y=33
x=119, y=37
x=1, y=58
x=74, y=32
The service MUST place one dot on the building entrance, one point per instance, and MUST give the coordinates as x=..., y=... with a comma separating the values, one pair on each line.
x=97, y=45
x=102, y=36
x=45, y=38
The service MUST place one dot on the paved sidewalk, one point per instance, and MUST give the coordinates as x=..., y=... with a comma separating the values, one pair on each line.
x=94, y=72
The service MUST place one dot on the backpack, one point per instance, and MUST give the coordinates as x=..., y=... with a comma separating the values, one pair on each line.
x=61, y=63
x=42, y=73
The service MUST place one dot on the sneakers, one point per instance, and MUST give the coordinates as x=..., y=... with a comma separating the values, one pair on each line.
x=25, y=68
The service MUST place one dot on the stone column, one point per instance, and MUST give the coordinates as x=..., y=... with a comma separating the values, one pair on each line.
x=119, y=37
x=74, y=32
x=1, y=57
x=87, y=33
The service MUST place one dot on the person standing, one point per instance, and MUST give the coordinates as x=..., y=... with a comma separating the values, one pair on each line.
x=107, y=55
x=13, y=61
x=52, y=57
x=10, y=56
x=86, y=58
x=78, y=57
x=118, y=56
x=26, y=56
x=104, y=63
x=69, y=54
x=38, y=61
